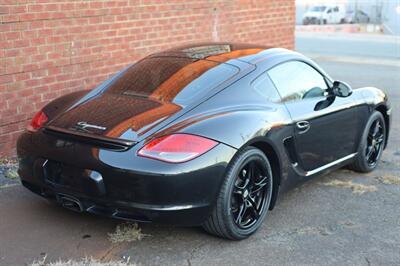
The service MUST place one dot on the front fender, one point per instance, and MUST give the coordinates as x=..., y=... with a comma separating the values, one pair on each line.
x=374, y=97
x=377, y=99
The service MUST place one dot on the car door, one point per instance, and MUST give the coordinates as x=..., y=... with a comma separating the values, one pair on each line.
x=323, y=126
x=336, y=15
x=329, y=17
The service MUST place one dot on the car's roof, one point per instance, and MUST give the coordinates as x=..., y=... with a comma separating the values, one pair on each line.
x=222, y=52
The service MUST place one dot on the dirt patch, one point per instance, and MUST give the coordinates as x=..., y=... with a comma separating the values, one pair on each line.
x=313, y=230
x=355, y=187
x=126, y=232
x=83, y=262
x=389, y=180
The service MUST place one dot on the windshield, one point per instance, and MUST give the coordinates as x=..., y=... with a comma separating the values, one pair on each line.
x=172, y=79
x=318, y=8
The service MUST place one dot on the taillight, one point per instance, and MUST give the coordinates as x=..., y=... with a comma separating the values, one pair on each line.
x=176, y=148
x=37, y=121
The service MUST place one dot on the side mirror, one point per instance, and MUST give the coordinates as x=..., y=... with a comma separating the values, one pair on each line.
x=341, y=89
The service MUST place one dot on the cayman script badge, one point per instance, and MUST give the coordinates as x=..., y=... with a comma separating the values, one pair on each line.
x=84, y=126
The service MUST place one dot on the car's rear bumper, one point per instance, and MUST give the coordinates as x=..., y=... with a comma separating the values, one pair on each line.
x=130, y=211
x=120, y=184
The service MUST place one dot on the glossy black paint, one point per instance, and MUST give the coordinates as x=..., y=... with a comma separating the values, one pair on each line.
x=102, y=172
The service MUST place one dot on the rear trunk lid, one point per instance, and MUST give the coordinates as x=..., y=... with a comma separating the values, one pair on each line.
x=112, y=118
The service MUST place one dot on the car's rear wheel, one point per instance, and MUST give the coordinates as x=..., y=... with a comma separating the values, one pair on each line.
x=244, y=198
x=371, y=145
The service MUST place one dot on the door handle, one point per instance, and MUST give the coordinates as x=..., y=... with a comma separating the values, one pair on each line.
x=303, y=126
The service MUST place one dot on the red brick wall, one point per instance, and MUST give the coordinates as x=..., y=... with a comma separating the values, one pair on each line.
x=52, y=47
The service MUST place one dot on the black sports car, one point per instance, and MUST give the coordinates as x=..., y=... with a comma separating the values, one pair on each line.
x=202, y=135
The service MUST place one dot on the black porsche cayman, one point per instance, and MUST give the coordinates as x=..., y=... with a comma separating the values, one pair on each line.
x=202, y=135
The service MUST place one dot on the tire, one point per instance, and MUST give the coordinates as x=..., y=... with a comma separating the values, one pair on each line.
x=364, y=163
x=244, y=198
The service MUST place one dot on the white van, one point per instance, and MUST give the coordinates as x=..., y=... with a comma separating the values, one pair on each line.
x=325, y=14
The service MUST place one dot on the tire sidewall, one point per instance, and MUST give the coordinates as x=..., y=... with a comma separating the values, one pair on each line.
x=247, y=155
x=363, y=144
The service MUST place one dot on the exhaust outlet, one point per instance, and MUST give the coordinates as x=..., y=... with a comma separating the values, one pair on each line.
x=70, y=203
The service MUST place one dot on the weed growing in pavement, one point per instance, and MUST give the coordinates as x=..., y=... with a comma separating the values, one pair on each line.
x=389, y=180
x=83, y=262
x=126, y=232
x=9, y=167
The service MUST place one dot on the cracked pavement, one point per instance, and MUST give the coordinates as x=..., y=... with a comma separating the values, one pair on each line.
x=313, y=224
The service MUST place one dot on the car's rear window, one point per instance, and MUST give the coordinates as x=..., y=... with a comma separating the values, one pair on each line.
x=172, y=79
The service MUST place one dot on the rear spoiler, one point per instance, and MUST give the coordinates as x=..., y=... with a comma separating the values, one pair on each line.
x=90, y=139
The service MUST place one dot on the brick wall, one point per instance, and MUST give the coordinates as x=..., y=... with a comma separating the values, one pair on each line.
x=52, y=47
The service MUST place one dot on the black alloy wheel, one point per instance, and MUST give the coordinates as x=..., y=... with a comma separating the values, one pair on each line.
x=371, y=145
x=250, y=194
x=244, y=198
x=375, y=142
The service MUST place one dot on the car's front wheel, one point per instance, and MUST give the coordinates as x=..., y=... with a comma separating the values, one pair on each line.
x=371, y=145
x=244, y=198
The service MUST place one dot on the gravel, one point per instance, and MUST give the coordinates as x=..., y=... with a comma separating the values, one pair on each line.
x=8, y=172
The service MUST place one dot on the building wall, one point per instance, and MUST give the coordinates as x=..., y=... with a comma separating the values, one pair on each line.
x=52, y=47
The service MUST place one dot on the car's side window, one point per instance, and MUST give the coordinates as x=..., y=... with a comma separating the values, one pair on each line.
x=297, y=80
x=265, y=88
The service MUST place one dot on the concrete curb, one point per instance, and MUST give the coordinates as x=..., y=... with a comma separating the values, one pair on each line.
x=348, y=28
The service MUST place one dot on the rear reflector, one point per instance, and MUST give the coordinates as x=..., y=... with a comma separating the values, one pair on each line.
x=176, y=148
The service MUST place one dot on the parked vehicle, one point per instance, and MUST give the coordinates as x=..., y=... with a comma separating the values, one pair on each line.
x=357, y=16
x=325, y=14
x=206, y=135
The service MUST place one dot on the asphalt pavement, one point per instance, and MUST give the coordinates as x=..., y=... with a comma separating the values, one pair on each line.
x=344, y=218
x=367, y=46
